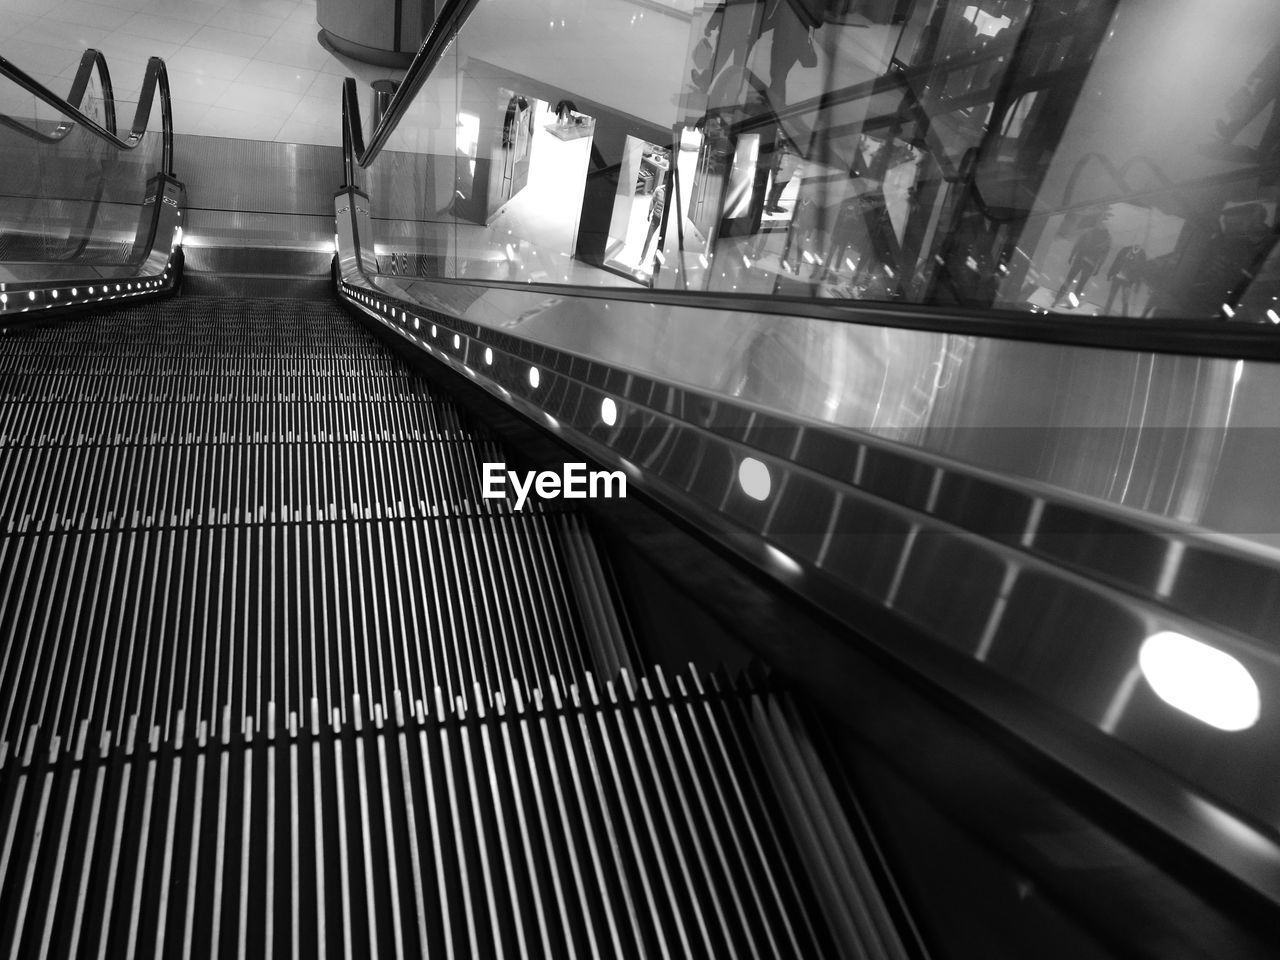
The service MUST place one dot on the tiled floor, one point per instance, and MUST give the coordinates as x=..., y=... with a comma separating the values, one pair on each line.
x=250, y=69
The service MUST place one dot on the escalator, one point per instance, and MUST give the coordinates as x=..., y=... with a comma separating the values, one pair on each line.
x=278, y=681
x=278, y=678
x=281, y=683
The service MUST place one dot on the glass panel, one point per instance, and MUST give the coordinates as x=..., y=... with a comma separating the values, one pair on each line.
x=1078, y=157
x=69, y=198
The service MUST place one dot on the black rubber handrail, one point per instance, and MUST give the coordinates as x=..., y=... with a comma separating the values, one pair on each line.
x=156, y=77
x=90, y=61
x=93, y=59
x=354, y=148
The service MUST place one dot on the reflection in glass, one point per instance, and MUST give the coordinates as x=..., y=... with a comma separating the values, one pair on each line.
x=69, y=199
x=1075, y=157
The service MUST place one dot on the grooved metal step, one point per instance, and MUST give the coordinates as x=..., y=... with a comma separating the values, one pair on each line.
x=277, y=681
x=279, y=512
x=634, y=820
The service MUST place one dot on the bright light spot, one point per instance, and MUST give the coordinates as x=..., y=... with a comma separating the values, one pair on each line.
x=335, y=243
x=1240, y=832
x=32, y=294
x=1209, y=684
x=753, y=476
x=457, y=342
x=55, y=294
x=1237, y=373
x=608, y=411
x=1273, y=316
x=784, y=563
x=702, y=259
x=1226, y=308
x=433, y=330
x=534, y=377
x=415, y=323
x=75, y=292
x=488, y=356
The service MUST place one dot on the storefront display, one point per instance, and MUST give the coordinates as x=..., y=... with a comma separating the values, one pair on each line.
x=509, y=172
x=639, y=209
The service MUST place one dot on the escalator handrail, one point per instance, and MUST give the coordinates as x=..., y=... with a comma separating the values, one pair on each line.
x=90, y=61
x=156, y=77
x=94, y=60
x=354, y=148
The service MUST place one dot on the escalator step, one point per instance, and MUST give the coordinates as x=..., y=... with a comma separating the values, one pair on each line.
x=621, y=821
x=277, y=681
x=214, y=503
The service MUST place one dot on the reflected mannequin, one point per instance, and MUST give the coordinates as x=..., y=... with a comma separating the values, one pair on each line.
x=1125, y=275
x=1087, y=255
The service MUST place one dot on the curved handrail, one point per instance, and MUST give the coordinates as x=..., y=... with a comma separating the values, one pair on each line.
x=156, y=77
x=90, y=60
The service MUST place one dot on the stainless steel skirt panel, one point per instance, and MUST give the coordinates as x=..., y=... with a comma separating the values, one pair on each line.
x=1184, y=438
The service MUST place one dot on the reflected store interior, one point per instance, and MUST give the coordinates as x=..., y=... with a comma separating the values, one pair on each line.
x=1038, y=158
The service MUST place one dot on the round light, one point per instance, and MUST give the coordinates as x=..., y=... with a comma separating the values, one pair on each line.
x=1203, y=681
x=753, y=477
x=488, y=356
x=534, y=377
x=91, y=291
x=31, y=295
x=433, y=330
x=608, y=411
x=55, y=294
x=457, y=342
